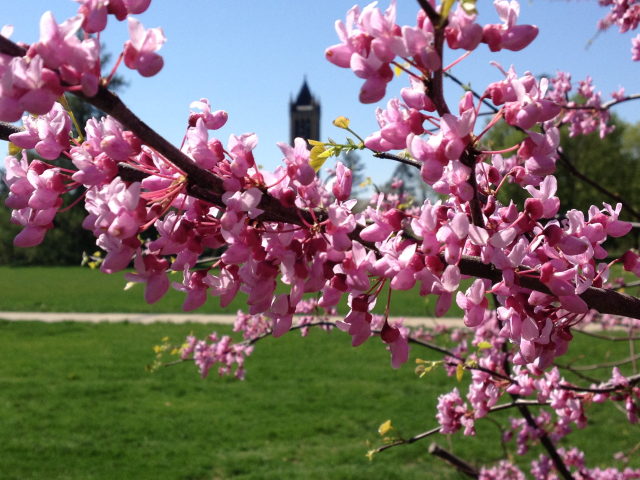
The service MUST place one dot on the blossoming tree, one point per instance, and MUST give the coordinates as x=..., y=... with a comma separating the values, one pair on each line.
x=543, y=273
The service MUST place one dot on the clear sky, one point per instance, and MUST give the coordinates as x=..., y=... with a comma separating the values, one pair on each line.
x=249, y=57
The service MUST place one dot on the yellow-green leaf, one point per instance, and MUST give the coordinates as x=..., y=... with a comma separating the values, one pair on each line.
x=397, y=70
x=469, y=7
x=314, y=160
x=384, y=428
x=316, y=143
x=484, y=345
x=330, y=152
x=341, y=122
x=444, y=11
x=14, y=149
x=459, y=372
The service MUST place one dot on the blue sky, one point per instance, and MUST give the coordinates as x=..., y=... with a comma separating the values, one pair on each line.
x=249, y=57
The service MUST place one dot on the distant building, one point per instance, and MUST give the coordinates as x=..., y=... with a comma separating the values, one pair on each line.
x=304, y=115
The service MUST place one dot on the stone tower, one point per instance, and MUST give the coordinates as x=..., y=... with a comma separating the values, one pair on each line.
x=304, y=115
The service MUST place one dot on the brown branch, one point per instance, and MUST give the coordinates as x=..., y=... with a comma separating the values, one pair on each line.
x=9, y=48
x=7, y=129
x=430, y=11
x=604, y=301
x=456, y=462
x=408, y=441
x=469, y=159
x=434, y=85
x=545, y=440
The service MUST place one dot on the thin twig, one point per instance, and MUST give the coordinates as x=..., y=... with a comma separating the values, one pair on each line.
x=546, y=442
x=604, y=106
x=564, y=160
x=493, y=108
x=606, y=337
x=397, y=158
x=604, y=365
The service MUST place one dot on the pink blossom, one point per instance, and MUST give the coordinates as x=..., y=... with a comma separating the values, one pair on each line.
x=397, y=344
x=193, y=285
x=95, y=15
x=509, y=35
x=343, y=182
x=353, y=40
x=48, y=134
x=461, y=31
x=342, y=223
x=474, y=303
x=297, y=160
x=376, y=73
x=213, y=121
x=122, y=8
x=36, y=223
x=139, y=51
x=199, y=148
x=150, y=270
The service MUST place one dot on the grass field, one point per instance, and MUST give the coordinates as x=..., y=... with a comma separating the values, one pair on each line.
x=76, y=403
x=77, y=289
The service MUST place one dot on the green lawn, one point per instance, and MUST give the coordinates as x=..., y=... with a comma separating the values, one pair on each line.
x=76, y=403
x=77, y=289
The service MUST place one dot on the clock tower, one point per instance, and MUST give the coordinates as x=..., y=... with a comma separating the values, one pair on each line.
x=304, y=115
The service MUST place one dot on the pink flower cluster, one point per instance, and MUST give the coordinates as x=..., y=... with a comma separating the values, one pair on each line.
x=371, y=40
x=626, y=15
x=61, y=62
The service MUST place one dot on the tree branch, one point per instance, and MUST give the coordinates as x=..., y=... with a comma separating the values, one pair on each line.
x=201, y=181
x=493, y=108
x=546, y=441
x=397, y=158
x=430, y=11
x=456, y=462
x=606, y=105
x=7, y=129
